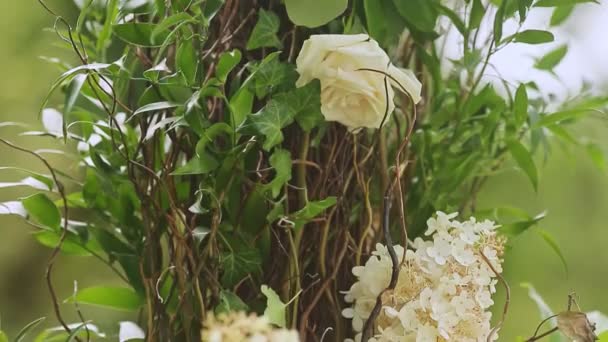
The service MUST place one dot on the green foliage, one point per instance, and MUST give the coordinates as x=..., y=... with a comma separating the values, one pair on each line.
x=207, y=173
x=264, y=33
x=275, y=308
x=112, y=297
x=301, y=13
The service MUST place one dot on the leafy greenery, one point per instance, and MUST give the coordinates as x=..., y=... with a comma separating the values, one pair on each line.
x=210, y=181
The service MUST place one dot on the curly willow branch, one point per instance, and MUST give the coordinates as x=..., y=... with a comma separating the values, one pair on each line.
x=64, y=232
x=368, y=328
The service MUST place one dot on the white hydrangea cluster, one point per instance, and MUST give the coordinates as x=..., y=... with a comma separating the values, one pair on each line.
x=241, y=327
x=444, y=289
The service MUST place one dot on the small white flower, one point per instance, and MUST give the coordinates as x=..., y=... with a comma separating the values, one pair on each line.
x=444, y=287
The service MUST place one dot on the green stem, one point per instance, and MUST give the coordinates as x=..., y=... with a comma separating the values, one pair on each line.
x=302, y=200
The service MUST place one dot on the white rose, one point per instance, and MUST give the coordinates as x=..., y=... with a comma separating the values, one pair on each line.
x=356, y=98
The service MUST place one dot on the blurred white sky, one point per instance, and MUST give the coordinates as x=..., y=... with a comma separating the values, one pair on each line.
x=585, y=31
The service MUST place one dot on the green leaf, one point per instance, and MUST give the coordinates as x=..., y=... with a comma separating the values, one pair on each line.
x=603, y=337
x=383, y=22
x=524, y=160
x=166, y=24
x=72, y=245
x=314, y=13
x=455, y=18
x=72, y=93
x=21, y=335
x=516, y=228
x=211, y=8
x=551, y=59
x=230, y=302
x=498, y=22
x=187, y=60
x=238, y=261
x=311, y=210
x=242, y=102
x=269, y=121
x=140, y=34
x=419, y=13
x=560, y=14
x=534, y=37
x=42, y=210
x=550, y=240
x=241, y=105
x=271, y=76
x=118, y=298
x=280, y=160
x=558, y=117
x=264, y=32
x=597, y=156
x=106, y=31
x=520, y=104
x=477, y=12
x=523, y=6
x=209, y=134
x=76, y=331
x=201, y=164
x=305, y=104
x=275, y=308
x=228, y=60
x=154, y=107
x=555, y=3
x=3, y=337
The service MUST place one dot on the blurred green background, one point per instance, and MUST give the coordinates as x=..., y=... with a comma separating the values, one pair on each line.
x=572, y=190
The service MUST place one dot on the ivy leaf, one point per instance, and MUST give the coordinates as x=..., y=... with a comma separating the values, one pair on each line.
x=281, y=162
x=305, y=103
x=312, y=210
x=551, y=59
x=269, y=121
x=275, y=308
x=230, y=302
x=314, y=13
x=42, y=210
x=264, y=32
x=534, y=37
x=524, y=159
x=272, y=76
x=237, y=261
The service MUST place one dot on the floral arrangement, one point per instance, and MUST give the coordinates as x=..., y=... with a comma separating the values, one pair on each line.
x=445, y=285
x=239, y=327
x=238, y=164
